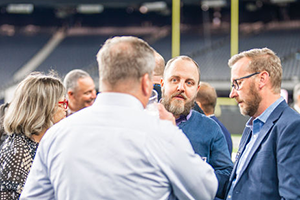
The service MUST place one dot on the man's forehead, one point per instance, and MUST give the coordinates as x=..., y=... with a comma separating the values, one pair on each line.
x=240, y=68
x=85, y=82
x=182, y=68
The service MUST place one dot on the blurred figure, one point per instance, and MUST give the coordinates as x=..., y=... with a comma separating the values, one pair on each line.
x=296, y=96
x=158, y=72
x=127, y=153
x=268, y=161
x=207, y=100
x=81, y=90
x=3, y=135
x=180, y=85
x=38, y=103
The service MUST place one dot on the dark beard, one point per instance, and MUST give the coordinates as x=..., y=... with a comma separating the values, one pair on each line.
x=174, y=108
x=253, y=103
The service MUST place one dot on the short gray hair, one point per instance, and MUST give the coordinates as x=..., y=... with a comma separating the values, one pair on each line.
x=71, y=79
x=262, y=60
x=123, y=58
x=183, y=58
x=34, y=104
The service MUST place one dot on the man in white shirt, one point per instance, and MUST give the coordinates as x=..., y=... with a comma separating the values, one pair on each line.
x=125, y=153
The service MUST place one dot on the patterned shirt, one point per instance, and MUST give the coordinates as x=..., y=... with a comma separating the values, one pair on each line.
x=16, y=157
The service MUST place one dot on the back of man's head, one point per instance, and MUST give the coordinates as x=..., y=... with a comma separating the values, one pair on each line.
x=207, y=97
x=124, y=60
x=70, y=80
x=159, y=67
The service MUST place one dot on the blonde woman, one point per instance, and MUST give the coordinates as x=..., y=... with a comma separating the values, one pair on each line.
x=38, y=103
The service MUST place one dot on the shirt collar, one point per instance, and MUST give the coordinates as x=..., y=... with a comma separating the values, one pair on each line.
x=118, y=99
x=183, y=118
x=256, y=123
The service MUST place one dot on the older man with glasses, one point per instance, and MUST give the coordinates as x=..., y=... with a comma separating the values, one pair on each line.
x=268, y=161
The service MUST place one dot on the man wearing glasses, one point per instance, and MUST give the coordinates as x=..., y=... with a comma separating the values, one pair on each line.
x=268, y=161
x=125, y=152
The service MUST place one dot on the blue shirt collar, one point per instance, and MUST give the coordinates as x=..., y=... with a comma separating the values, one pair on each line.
x=256, y=123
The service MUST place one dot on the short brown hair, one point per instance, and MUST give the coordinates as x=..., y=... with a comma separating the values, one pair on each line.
x=262, y=60
x=207, y=96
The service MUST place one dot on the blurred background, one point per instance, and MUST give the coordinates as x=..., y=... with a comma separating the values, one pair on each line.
x=39, y=35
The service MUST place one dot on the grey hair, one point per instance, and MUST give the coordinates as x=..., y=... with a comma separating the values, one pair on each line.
x=296, y=92
x=183, y=58
x=262, y=60
x=71, y=79
x=34, y=104
x=123, y=58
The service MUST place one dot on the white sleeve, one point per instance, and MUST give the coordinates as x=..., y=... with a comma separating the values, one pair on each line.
x=37, y=185
x=190, y=177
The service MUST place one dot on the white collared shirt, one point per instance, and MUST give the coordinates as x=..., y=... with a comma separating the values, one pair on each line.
x=115, y=150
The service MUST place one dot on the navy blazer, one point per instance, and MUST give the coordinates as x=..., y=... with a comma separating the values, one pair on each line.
x=272, y=169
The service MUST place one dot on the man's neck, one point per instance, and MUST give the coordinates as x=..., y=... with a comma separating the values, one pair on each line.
x=266, y=102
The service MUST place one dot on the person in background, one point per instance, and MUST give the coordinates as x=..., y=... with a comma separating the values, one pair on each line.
x=180, y=85
x=3, y=135
x=207, y=100
x=81, y=90
x=268, y=161
x=158, y=72
x=126, y=153
x=38, y=103
x=296, y=97
x=158, y=75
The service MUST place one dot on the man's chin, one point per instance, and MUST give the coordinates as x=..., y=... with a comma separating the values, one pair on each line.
x=178, y=102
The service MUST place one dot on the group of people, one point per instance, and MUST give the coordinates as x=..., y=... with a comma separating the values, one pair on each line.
x=113, y=149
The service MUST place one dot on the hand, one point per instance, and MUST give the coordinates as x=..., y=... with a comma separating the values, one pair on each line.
x=164, y=114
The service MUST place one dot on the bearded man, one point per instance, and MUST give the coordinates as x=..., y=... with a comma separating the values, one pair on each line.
x=268, y=161
x=180, y=85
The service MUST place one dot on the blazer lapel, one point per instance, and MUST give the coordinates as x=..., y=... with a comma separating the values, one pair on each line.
x=263, y=133
x=244, y=140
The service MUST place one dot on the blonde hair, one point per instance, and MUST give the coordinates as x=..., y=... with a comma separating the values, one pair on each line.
x=34, y=104
x=262, y=60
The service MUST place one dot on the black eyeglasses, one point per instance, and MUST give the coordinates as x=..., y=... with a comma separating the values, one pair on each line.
x=235, y=84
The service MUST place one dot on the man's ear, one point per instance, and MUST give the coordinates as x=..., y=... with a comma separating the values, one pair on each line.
x=264, y=79
x=146, y=84
x=198, y=87
x=70, y=94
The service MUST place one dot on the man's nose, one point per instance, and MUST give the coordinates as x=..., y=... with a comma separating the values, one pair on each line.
x=233, y=93
x=180, y=86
